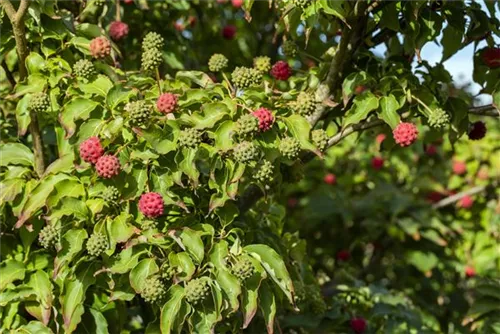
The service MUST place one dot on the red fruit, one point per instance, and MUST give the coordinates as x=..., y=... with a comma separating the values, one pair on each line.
x=281, y=70
x=192, y=20
x=292, y=202
x=229, y=31
x=178, y=26
x=377, y=163
x=266, y=118
x=405, y=134
x=107, y=166
x=430, y=150
x=459, y=167
x=118, y=30
x=358, y=325
x=91, y=150
x=100, y=47
x=167, y=103
x=128, y=1
x=491, y=57
x=343, y=255
x=435, y=196
x=151, y=205
x=470, y=272
x=466, y=202
x=359, y=89
x=477, y=130
x=330, y=179
x=380, y=138
x=237, y=3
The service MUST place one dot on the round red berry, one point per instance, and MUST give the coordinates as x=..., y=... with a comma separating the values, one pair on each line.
x=91, y=150
x=491, y=57
x=380, y=138
x=377, y=163
x=118, y=30
x=435, y=196
x=405, y=134
x=100, y=47
x=359, y=89
x=330, y=179
x=459, y=167
x=229, y=31
x=237, y=3
x=151, y=204
x=477, y=130
x=266, y=118
x=292, y=202
x=470, y=271
x=466, y=202
x=358, y=325
x=281, y=70
x=167, y=103
x=343, y=255
x=430, y=150
x=107, y=166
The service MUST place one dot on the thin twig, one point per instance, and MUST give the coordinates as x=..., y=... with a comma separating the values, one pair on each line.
x=118, y=13
x=8, y=74
x=486, y=110
x=455, y=198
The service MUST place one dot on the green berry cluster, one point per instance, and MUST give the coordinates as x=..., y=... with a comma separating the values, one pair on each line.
x=319, y=138
x=300, y=293
x=149, y=224
x=167, y=271
x=264, y=172
x=302, y=3
x=289, y=48
x=243, y=269
x=49, y=236
x=262, y=64
x=151, y=59
x=154, y=290
x=245, y=152
x=39, y=103
x=111, y=194
x=439, y=118
x=244, y=77
x=152, y=40
x=189, y=138
x=217, y=62
x=316, y=301
x=305, y=104
x=97, y=244
x=84, y=69
x=197, y=290
x=139, y=112
x=289, y=147
x=247, y=125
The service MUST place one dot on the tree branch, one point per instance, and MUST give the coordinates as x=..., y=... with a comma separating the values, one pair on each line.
x=23, y=7
x=9, y=9
x=455, y=198
x=486, y=110
x=8, y=74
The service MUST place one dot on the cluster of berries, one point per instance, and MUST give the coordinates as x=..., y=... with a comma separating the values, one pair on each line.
x=91, y=151
x=151, y=51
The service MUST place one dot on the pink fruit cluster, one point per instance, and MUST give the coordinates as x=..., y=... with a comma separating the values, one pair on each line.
x=91, y=150
x=405, y=134
x=491, y=57
x=358, y=325
x=266, y=118
x=477, y=130
x=167, y=103
x=466, y=202
x=459, y=167
x=100, y=47
x=229, y=31
x=118, y=30
x=107, y=166
x=330, y=179
x=470, y=271
x=281, y=70
x=151, y=204
x=377, y=163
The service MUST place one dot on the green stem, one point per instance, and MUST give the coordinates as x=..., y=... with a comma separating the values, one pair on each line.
x=429, y=110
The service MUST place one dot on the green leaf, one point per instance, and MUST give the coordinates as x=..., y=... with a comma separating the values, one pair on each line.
x=183, y=261
x=101, y=324
x=11, y=271
x=34, y=327
x=118, y=95
x=300, y=129
x=187, y=164
x=78, y=108
x=275, y=267
x=99, y=86
x=451, y=41
x=15, y=154
x=335, y=8
x=63, y=164
x=250, y=292
x=126, y=260
x=40, y=282
x=170, y=311
x=23, y=117
x=71, y=244
x=223, y=136
x=389, y=106
x=162, y=140
x=190, y=241
x=35, y=63
x=143, y=270
x=210, y=114
x=119, y=229
x=9, y=189
x=423, y=261
x=200, y=78
x=363, y=104
x=268, y=306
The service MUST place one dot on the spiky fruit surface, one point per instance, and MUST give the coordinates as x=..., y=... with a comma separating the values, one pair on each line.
x=151, y=204
x=281, y=70
x=218, y=62
x=149, y=224
x=262, y=64
x=459, y=167
x=100, y=47
x=266, y=118
x=405, y=134
x=302, y=3
x=154, y=290
x=111, y=194
x=91, y=150
x=289, y=48
x=377, y=163
x=167, y=103
x=243, y=269
x=244, y=77
x=290, y=147
x=197, y=290
x=151, y=59
x=118, y=30
x=107, y=166
x=39, y=103
x=49, y=236
x=247, y=125
x=167, y=271
x=97, y=244
x=189, y=138
x=305, y=104
x=477, y=130
x=264, y=172
x=330, y=179
x=358, y=325
x=229, y=31
x=491, y=57
x=245, y=152
x=320, y=138
x=152, y=40
x=84, y=69
x=139, y=112
x=438, y=118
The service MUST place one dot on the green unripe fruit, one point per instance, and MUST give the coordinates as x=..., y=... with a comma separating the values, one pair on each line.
x=245, y=152
x=244, y=77
x=97, y=244
x=84, y=69
x=217, y=62
x=289, y=48
x=167, y=272
x=302, y=3
x=151, y=59
x=264, y=172
x=247, y=125
x=304, y=105
x=316, y=301
x=111, y=194
x=197, y=290
x=154, y=290
x=439, y=118
x=139, y=112
x=189, y=138
x=289, y=147
x=39, y=103
x=152, y=40
x=49, y=236
x=262, y=64
x=149, y=224
x=300, y=292
x=320, y=139
x=243, y=269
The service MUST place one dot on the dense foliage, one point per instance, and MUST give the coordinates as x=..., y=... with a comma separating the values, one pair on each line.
x=247, y=166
